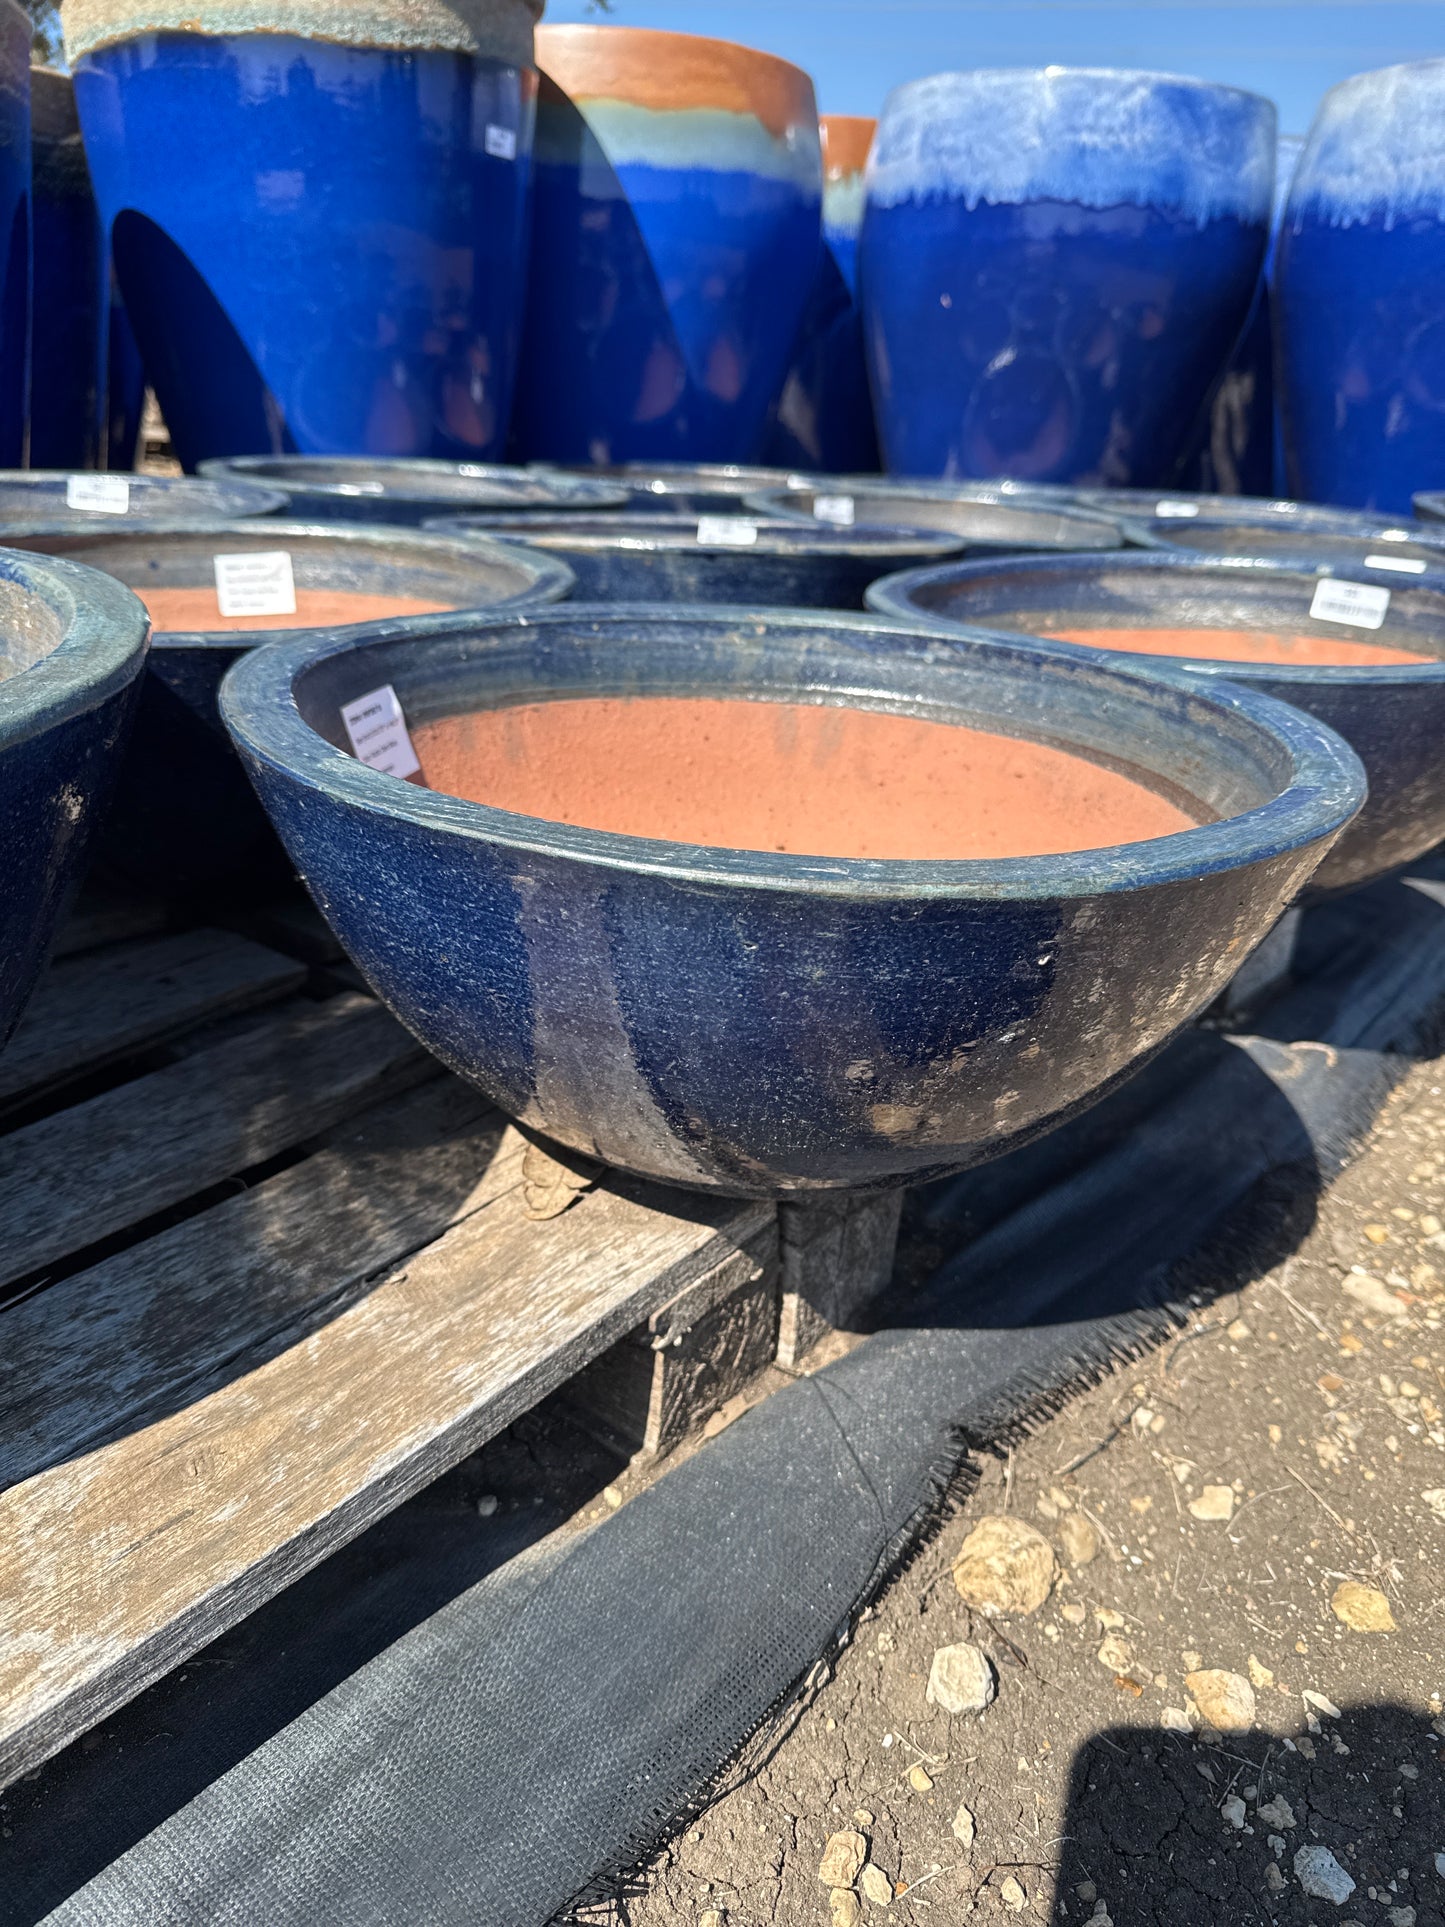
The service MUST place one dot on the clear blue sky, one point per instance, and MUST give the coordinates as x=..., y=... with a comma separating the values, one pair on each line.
x=856, y=50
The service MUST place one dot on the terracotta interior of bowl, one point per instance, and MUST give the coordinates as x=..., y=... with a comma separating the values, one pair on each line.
x=29, y=629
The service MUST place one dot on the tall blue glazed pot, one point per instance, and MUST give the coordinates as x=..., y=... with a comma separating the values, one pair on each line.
x=14, y=231
x=825, y=415
x=1360, y=286
x=318, y=214
x=70, y=287
x=1055, y=267
x=678, y=189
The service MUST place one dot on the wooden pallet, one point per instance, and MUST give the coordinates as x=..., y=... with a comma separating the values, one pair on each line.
x=269, y=1271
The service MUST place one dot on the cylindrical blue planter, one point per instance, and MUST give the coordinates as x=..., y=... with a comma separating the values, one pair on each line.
x=321, y=245
x=15, y=217
x=352, y=490
x=1360, y=287
x=1392, y=716
x=825, y=414
x=72, y=652
x=762, y=1023
x=33, y=495
x=1055, y=267
x=185, y=821
x=70, y=288
x=647, y=557
x=981, y=520
x=678, y=187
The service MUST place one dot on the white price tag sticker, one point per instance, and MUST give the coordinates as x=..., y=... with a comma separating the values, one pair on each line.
x=837, y=509
x=727, y=531
x=98, y=494
x=378, y=732
x=500, y=142
x=1360, y=604
x=256, y=584
x=1176, y=511
x=1401, y=564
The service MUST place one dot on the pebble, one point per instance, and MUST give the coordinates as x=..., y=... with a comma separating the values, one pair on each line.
x=1364, y=1609
x=1225, y=1700
x=965, y=1830
x=843, y=1858
x=1079, y=1539
x=920, y=1779
x=487, y=1505
x=1005, y=1565
x=877, y=1887
x=1321, y=1704
x=1115, y=1655
x=1274, y=1880
x=1259, y=1674
x=1234, y=1812
x=961, y=1680
x=1075, y=1612
x=1278, y=1813
x=1108, y=1620
x=1215, y=1504
x=1012, y=1895
x=1368, y=1292
x=1401, y=1917
x=1321, y=1875
x=845, y=1909
x=862, y=1817
x=1175, y=1720
x=712, y=1918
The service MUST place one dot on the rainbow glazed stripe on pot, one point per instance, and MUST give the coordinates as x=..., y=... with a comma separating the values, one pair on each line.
x=825, y=416
x=678, y=189
x=318, y=214
x=1056, y=265
x=1360, y=294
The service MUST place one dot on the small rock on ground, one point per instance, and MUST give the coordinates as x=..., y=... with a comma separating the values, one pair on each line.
x=843, y=1858
x=1321, y=1875
x=1225, y=1700
x=961, y=1680
x=1005, y=1565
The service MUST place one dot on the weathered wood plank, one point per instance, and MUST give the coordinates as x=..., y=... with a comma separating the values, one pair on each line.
x=118, y=1564
x=91, y=1010
x=837, y=1254
x=91, y=1170
x=84, y=1361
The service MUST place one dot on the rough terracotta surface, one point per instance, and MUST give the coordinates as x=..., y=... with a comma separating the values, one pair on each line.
x=805, y=778
x=1243, y=645
x=193, y=609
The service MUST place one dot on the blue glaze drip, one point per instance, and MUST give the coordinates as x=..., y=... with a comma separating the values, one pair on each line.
x=316, y=249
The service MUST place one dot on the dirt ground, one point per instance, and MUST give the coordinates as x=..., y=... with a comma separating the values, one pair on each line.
x=1091, y=1787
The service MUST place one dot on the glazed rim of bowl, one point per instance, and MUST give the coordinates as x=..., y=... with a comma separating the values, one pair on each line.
x=1171, y=536
x=1132, y=505
x=390, y=479
x=87, y=639
x=1132, y=74
x=893, y=598
x=540, y=576
x=1094, y=531
x=214, y=490
x=1304, y=782
x=645, y=529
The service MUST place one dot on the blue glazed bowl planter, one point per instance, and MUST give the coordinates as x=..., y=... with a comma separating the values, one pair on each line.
x=1380, y=548
x=767, y=1024
x=1171, y=508
x=677, y=208
x=1360, y=292
x=1055, y=267
x=184, y=819
x=72, y=654
x=1430, y=505
x=34, y=495
x=692, y=488
x=318, y=215
x=682, y=558
x=409, y=493
x=1392, y=717
x=983, y=521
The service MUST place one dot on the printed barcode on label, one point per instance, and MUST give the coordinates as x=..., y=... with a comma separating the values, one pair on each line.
x=378, y=732
x=1359, y=604
x=256, y=584
x=1401, y=564
x=98, y=494
x=731, y=531
x=1179, y=511
x=837, y=509
x=500, y=143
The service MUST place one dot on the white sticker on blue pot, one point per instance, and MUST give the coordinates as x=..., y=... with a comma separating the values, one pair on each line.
x=1176, y=511
x=1359, y=604
x=837, y=509
x=1401, y=564
x=98, y=494
x=727, y=531
x=257, y=583
x=378, y=732
x=500, y=143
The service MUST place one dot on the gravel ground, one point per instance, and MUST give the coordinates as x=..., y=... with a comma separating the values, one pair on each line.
x=1263, y=1498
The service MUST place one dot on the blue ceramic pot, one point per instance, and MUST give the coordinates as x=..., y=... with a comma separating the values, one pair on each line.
x=185, y=821
x=678, y=187
x=72, y=649
x=1392, y=716
x=34, y=495
x=981, y=522
x=14, y=230
x=1360, y=288
x=321, y=245
x=1174, y=508
x=412, y=492
x=1380, y=549
x=761, y=1023
x=824, y=418
x=690, y=488
x=1055, y=267
x=1430, y=505
x=70, y=287
x=647, y=557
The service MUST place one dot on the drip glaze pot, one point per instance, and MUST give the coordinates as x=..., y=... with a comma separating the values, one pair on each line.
x=765, y=1023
